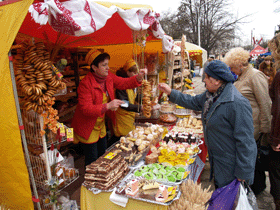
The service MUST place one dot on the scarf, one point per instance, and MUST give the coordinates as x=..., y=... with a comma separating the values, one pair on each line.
x=210, y=99
x=100, y=80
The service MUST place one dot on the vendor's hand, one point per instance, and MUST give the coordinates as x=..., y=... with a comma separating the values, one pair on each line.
x=276, y=148
x=241, y=180
x=141, y=74
x=164, y=88
x=114, y=105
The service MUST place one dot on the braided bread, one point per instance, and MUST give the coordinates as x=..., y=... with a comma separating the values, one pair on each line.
x=146, y=100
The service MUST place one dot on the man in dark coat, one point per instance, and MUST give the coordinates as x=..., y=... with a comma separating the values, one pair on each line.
x=227, y=123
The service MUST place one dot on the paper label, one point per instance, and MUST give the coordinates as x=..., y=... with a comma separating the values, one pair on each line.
x=171, y=193
x=60, y=181
x=60, y=171
x=56, y=71
x=70, y=134
x=186, y=174
x=62, y=129
x=110, y=155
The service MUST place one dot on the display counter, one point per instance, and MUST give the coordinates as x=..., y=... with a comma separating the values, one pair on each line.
x=91, y=201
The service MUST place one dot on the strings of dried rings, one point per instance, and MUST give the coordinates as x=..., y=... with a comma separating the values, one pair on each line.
x=35, y=77
x=146, y=100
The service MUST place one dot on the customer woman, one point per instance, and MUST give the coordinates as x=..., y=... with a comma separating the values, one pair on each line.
x=125, y=116
x=227, y=123
x=96, y=98
x=274, y=141
x=253, y=85
x=268, y=69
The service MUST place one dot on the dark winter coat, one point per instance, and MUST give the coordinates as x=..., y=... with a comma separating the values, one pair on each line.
x=274, y=93
x=229, y=134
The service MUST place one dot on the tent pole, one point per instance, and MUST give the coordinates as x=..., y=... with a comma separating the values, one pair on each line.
x=20, y=122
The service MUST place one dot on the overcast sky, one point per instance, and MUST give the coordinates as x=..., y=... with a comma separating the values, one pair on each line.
x=262, y=22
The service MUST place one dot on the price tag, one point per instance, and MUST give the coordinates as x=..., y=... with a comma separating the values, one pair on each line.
x=70, y=134
x=110, y=155
x=186, y=174
x=171, y=193
x=62, y=129
x=56, y=71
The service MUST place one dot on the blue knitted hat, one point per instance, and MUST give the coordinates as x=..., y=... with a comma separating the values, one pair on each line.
x=219, y=70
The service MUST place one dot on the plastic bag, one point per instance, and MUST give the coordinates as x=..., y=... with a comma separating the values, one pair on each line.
x=251, y=198
x=243, y=202
x=224, y=197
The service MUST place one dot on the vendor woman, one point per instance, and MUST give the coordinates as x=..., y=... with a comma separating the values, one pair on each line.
x=125, y=116
x=95, y=98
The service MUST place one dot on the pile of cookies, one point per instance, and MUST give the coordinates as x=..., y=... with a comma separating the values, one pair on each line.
x=190, y=122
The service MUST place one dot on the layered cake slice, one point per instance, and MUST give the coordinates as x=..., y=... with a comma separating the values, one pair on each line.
x=106, y=172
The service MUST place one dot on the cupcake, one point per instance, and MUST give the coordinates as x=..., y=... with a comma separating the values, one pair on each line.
x=149, y=176
x=138, y=173
x=171, y=178
x=161, y=177
x=181, y=169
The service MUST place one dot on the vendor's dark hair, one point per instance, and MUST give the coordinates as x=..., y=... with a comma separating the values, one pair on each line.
x=133, y=69
x=99, y=59
x=122, y=73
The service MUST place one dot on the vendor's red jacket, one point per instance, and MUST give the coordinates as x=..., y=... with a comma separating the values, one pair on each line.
x=90, y=98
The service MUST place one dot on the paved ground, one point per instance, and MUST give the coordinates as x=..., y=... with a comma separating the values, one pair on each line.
x=265, y=200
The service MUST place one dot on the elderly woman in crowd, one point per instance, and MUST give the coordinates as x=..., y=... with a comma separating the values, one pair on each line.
x=274, y=141
x=253, y=85
x=227, y=123
x=268, y=69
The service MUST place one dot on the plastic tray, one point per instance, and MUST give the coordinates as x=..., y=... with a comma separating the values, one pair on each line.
x=163, y=182
x=121, y=187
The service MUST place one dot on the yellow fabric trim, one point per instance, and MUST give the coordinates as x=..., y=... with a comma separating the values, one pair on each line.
x=124, y=6
x=125, y=119
x=91, y=201
x=15, y=192
x=99, y=130
x=91, y=55
x=129, y=64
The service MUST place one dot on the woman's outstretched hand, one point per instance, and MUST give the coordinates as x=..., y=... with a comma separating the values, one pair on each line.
x=164, y=88
x=114, y=105
x=141, y=74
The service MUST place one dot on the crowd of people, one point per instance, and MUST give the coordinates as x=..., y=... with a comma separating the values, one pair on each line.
x=240, y=107
x=259, y=85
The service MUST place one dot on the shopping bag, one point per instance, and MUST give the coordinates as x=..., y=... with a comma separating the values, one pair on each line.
x=224, y=198
x=243, y=202
x=250, y=195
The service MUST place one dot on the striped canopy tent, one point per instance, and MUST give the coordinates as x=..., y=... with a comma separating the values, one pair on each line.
x=258, y=50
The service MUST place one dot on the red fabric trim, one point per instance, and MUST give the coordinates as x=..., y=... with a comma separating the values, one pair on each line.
x=21, y=127
x=36, y=200
x=10, y=58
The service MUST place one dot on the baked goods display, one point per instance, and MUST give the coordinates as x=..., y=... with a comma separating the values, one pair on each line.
x=106, y=171
x=167, y=107
x=147, y=190
x=64, y=174
x=161, y=173
x=190, y=122
x=137, y=143
x=168, y=118
x=146, y=100
x=34, y=75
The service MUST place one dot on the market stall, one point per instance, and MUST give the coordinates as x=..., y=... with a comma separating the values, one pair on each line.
x=35, y=39
x=196, y=53
x=13, y=160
